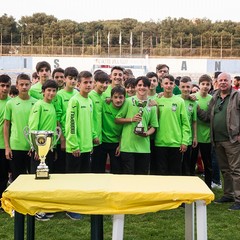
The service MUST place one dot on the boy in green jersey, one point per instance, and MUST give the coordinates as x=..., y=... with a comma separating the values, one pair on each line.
x=44, y=72
x=135, y=142
x=191, y=107
x=5, y=84
x=79, y=127
x=43, y=117
x=203, y=130
x=172, y=136
x=152, y=95
x=63, y=97
x=129, y=85
x=111, y=132
x=101, y=80
x=58, y=76
x=16, y=147
x=79, y=130
x=153, y=78
x=116, y=77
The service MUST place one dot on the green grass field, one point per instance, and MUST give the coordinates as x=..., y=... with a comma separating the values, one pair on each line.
x=168, y=225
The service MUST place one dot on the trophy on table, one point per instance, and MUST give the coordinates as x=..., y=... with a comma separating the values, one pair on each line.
x=139, y=129
x=42, y=141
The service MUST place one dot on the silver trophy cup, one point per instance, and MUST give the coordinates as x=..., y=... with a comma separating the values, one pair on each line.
x=42, y=141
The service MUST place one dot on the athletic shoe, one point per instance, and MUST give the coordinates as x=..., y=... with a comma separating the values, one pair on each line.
x=224, y=199
x=74, y=216
x=49, y=215
x=216, y=186
x=41, y=217
x=235, y=206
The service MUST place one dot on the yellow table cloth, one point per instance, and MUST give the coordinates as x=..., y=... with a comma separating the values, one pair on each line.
x=103, y=193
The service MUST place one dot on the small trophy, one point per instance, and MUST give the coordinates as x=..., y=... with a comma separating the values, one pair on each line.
x=42, y=141
x=139, y=129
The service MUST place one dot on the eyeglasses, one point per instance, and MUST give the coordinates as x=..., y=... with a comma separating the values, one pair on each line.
x=162, y=71
x=2, y=85
x=220, y=105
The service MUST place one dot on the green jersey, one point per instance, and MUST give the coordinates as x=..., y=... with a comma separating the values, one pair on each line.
x=174, y=128
x=79, y=124
x=111, y=132
x=107, y=93
x=191, y=107
x=203, y=128
x=131, y=142
x=97, y=113
x=2, y=110
x=63, y=98
x=43, y=116
x=36, y=91
x=17, y=112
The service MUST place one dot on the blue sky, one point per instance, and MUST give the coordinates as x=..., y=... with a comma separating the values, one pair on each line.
x=155, y=10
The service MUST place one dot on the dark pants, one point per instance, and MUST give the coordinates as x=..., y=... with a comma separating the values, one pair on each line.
x=168, y=161
x=79, y=164
x=186, y=163
x=215, y=168
x=21, y=163
x=205, y=150
x=59, y=165
x=135, y=163
x=4, y=167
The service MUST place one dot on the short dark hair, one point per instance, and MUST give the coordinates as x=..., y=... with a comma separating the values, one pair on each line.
x=185, y=79
x=42, y=65
x=151, y=75
x=131, y=82
x=170, y=77
x=146, y=81
x=216, y=74
x=49, y=84
x=119, y=90
x=237, y=77
x=23, y=76
x=205, y=77
x=117, y=68
x=4, y=78
x=70, y=71
x=84, y=74
x=160, y=66
x=35, y=75
x=57, y=70
x=101, y=77
x=13, y=90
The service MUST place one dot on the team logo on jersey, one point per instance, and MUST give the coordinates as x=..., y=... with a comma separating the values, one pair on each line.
x=190, y=107
x=174, y=107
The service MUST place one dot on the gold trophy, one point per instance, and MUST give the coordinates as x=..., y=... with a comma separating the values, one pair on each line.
x=139, y=129
x=42, y=141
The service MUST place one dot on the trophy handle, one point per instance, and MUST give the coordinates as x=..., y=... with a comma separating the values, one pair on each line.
x=57, y=133
x=26, y=133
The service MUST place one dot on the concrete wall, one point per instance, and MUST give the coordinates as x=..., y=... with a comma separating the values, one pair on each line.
x=192, y=67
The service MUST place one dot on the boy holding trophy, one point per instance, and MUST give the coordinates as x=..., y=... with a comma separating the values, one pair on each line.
x=140, y=121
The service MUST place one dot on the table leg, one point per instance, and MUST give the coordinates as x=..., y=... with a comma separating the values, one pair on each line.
x=96, y=227
x=18, y=226
x=201, y=220
x=30, y=227
x=189, y=221
x=118, y=227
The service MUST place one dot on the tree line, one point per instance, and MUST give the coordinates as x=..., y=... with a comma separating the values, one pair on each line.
x=42, y=29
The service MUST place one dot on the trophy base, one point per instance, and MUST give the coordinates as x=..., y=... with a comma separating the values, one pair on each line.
x=139, y=130
x=42, y=172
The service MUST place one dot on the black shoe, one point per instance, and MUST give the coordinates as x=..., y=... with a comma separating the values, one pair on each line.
x=235, y=206
x=224, y=199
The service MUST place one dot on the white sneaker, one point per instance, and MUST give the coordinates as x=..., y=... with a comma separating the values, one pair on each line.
x=216, y=186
